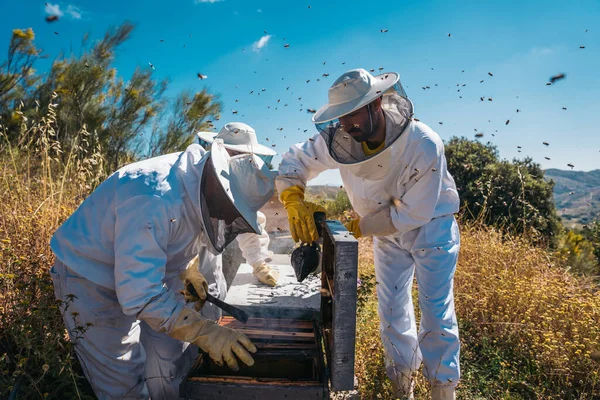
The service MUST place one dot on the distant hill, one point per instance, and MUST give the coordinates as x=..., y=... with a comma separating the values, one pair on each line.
x=326, y=191
x=577, y=195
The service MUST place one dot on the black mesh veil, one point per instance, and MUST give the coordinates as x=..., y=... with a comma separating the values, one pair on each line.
x=346, y=150
x=222, y=220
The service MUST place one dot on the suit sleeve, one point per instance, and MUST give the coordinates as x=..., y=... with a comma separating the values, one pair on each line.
x=141, y=238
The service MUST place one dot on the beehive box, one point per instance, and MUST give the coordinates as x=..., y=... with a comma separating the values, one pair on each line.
x=300, y=357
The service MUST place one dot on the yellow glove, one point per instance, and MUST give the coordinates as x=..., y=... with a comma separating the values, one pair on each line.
x=353, y=226
x=300, y=215
x=221, y=343
x=192, y=276
x=265, y=274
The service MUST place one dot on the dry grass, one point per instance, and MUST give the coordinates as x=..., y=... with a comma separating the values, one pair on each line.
x=38, y=191
x=529, y=329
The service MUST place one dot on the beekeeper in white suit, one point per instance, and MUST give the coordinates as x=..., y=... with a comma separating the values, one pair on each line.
x=394, y=170
x=239, y=138
x=121, y=258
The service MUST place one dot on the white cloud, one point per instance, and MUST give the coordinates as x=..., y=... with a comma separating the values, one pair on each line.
x=53, y=9
x=260, y=43
x=542, y=51
x=74, y=12
x=207, y=1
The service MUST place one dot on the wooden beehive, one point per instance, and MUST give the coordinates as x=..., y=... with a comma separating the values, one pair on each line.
x=296, y=358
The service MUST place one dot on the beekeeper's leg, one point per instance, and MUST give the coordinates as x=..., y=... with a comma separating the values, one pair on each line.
x=211, y=267
x=394, y=271
x=109, y=350
x=436, y=253
x=168, y=360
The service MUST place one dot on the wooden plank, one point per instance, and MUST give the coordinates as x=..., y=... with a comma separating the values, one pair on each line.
x=291, y=346
x=266, y=323
x=285, y=353
x=248, y=380
x=269, y=334
x=254, y=391
x=343, y=326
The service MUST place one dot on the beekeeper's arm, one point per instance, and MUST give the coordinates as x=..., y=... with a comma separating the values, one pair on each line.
x=301, y=163
x=255, y=249
x=141, y=239
x=417, y=206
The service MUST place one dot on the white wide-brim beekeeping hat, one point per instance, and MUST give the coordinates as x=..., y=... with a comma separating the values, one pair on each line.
x=238, y=136
x=246, y=179
x=354, y=89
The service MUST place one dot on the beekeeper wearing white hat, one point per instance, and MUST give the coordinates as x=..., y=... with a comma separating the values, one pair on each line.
x=239, y=138
x=394, y=170
x=121, y=257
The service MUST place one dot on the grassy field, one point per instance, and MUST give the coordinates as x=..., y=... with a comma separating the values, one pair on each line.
x=529, y=329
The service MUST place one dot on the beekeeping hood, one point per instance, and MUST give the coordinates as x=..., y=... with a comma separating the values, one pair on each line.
x=351, y=91
x=232, y=190
x=239, y=137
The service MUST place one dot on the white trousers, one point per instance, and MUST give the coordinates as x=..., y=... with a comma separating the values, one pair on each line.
x=430, y=252
x=122, y=357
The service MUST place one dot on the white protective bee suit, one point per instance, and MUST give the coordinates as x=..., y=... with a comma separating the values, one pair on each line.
x=255, y=250
x=240, y=138
x=118, y=263
x=411, y=169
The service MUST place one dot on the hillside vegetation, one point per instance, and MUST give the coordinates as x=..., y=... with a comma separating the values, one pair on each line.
x=577, y=195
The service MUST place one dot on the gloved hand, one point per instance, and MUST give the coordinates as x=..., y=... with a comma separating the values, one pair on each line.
x=353, y=226
x=300, y=215
x=378, y=223
x=265, y=274
x=221, y=343
x=192, y=276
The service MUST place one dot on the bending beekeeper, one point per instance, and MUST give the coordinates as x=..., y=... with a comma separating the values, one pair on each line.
x=394, y=170
x=121, y=257
x=239, y=138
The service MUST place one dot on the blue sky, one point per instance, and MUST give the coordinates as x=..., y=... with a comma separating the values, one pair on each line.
x=522, y=43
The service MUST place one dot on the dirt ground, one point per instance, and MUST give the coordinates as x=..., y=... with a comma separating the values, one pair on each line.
x=276, y=216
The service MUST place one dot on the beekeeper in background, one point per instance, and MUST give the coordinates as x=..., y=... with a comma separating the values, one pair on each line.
x=122, y=255
x=239, y=138
x=394, y=170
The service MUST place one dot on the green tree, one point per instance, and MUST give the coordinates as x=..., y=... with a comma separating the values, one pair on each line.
x=91, y=94
x=123, y=119
x=578, y=253
x=467, y=160
x=592, y=234
x=17, y=76
x=512, y=195
x=189, y=114
x=516, y=196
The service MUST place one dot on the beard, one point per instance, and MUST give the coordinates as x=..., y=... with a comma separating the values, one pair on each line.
x=359, y=135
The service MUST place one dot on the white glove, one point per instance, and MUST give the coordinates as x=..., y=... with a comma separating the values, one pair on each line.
x=265, y=273
x=221, y=343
